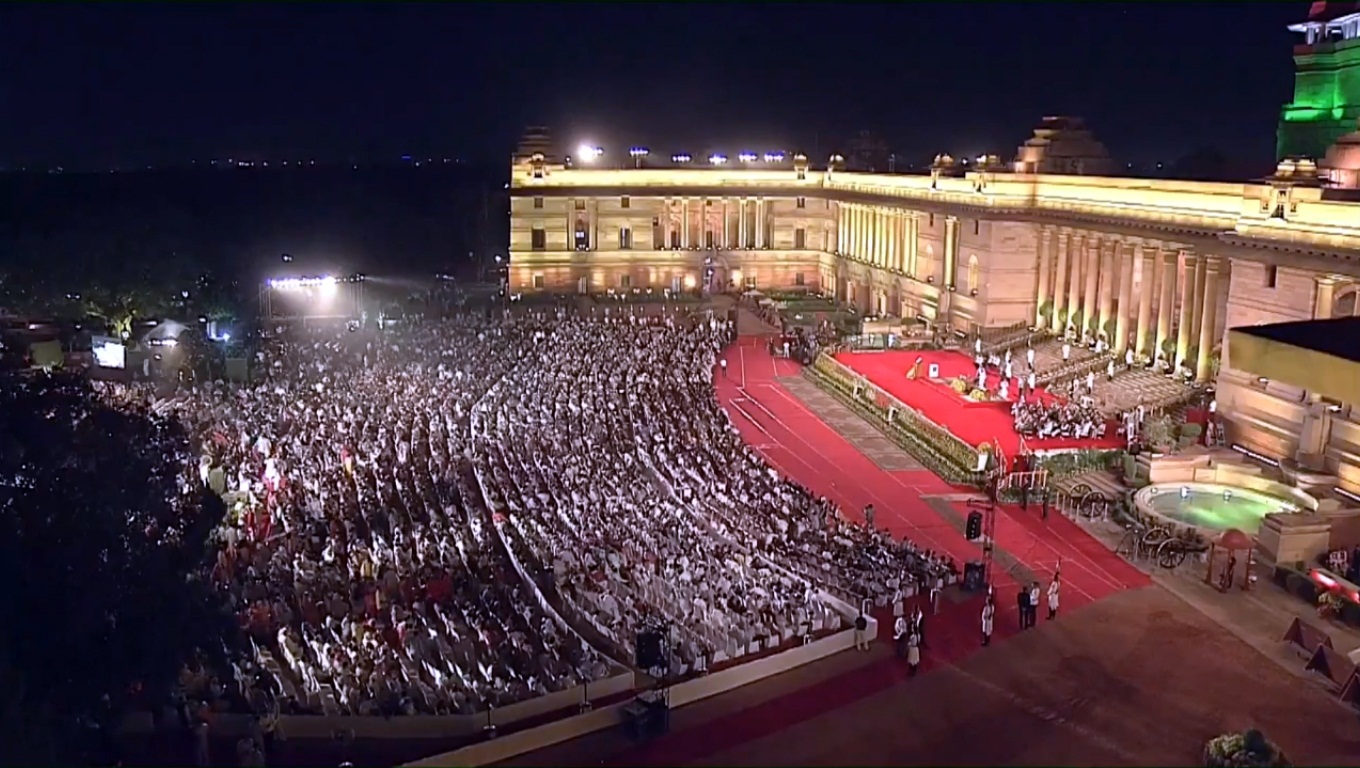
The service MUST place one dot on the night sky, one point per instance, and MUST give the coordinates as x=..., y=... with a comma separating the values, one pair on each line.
x=106, y=83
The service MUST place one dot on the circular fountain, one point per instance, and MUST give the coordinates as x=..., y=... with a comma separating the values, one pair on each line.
x=1214, y=507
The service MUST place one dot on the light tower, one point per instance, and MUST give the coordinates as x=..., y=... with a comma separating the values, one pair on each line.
x=1326, y=81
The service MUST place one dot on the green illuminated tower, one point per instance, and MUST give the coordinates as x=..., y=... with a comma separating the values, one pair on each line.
x=1326, y=80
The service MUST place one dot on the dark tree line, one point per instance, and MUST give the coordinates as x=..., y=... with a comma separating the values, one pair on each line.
x=102, y=551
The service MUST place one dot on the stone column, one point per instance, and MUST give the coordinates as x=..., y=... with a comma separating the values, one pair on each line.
x=842, y=228
x=1076, y=257
x=913, y=244
x=1109, y=277
x=1197, y=312
x=760, y=222
x=727, y=218
x=1166, y=302
x=1149, y=267
x=743, y=229
x=592, y=222
x=895, y=241
x=684, y=222
x=866, y=239
x=880, y=241
x=951, y=248
x=1125, y=309
x=852, y=215
x=1046, y=242
x=1188, y=299
x=1092, y=290
x=885, y=229
x=1059, y=282
x=1208, y=325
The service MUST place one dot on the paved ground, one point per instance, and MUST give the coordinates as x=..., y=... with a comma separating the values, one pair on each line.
x=864, y=436
x=1140, y=678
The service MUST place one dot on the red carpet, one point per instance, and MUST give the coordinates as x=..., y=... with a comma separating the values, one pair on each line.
x=973, y=423
x=803, y=447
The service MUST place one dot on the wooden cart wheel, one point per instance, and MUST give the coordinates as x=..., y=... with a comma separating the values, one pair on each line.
x=1171, y=553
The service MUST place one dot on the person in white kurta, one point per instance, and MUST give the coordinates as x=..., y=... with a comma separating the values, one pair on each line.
x=913, y=654
x=1053, y=598
x=988, y=619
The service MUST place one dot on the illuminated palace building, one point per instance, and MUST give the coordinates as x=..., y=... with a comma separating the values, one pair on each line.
x=1162, y=267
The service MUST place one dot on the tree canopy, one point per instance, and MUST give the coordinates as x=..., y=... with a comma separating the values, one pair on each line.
x=103, y=538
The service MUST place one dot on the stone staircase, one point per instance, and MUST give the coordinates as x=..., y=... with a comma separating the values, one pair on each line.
x=1133, y=386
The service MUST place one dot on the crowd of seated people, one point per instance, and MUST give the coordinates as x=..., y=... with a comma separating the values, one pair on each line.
x=433, y=518
x=356, y=549
x=1053, y=419
x=618, y=472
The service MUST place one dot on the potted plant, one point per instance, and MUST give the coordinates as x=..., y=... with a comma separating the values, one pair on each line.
x=1329, y=605
x=1244, y=750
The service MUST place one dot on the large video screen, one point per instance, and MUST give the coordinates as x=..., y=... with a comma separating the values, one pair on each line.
x=109, y=352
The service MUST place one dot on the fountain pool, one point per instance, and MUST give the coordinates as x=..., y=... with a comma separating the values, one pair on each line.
x=1213, y=507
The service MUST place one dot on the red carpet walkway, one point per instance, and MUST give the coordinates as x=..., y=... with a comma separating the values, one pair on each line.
x=803, y=447
x=973, y=423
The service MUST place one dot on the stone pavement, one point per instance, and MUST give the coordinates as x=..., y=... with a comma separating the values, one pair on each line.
x=1258, y=617
x=866, y=438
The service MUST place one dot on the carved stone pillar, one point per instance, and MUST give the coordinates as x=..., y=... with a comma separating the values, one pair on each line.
x=1197, y=312
x=913, y=244
x=1109, y=276
x=1208, y=326
x=1055, y=323
x=1166, y=302
x=1046, y=243
x=1187, y=308
x=1145, y=293
x=1125, y=309
x=1089, y=319
x=951, y=252
x=1076, y=259
x=684, y=222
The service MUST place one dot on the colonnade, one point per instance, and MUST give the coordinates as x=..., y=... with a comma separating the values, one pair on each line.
x=1086, y=288
x=887, y=238
x=741, y=223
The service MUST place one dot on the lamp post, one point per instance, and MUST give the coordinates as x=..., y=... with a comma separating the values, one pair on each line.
x=638, y=153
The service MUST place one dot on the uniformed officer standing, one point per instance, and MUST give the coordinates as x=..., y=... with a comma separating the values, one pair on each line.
x=918, y=624
x=988, y=617
x=1053, y=598
x=1033, y=603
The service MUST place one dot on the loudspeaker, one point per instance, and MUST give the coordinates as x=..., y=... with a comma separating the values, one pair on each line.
x=649, y=650
x=973, y=527
x=974, y=576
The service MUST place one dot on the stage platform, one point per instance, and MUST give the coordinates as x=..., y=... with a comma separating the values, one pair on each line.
x=973, y=422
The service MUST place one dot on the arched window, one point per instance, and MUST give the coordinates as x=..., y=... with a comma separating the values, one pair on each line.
x=972, y=272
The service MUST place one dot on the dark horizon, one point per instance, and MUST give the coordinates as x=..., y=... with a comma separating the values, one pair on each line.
x=102, y=86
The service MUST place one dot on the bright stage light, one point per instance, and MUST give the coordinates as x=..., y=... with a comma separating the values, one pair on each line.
x=328, y=287
x=299, y=283
x=774, y=157
x=717, y=159
x=587, y=153
x=639, y=152
x=683, y=157
x=747, y=157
